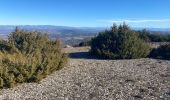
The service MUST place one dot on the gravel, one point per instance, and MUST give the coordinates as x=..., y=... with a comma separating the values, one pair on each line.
x=87, y=78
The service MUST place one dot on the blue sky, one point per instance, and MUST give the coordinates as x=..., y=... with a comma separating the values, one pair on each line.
x=86, y=13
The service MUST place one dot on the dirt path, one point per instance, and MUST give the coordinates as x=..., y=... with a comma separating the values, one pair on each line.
x=87, y=78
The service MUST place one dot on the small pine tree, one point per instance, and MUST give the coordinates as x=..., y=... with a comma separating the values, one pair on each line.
x=17, y=29
x=162, y=52
x=29, y=57
x=119, y=43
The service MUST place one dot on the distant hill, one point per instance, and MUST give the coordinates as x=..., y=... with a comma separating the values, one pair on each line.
x=69, y=35
x=161, y=30
x=53, y=31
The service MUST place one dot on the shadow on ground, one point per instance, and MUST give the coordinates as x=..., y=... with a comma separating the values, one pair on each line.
x=81, y=55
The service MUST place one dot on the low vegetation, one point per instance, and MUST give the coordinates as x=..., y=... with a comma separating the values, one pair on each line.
x=31, y=56
x=154, y=36
x=85, y=43
x=162, y=52
x=119, y=43
x=28, y=57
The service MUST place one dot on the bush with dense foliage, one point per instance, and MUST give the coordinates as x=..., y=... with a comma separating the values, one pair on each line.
x=85, y=43
x=119, y=43
x=162, y=52
x=28, y=57
x=154, y=36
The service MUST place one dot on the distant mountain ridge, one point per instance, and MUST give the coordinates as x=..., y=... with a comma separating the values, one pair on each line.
x=59, y=31
x=154, y=29
x=49, y=27
x=63, y=31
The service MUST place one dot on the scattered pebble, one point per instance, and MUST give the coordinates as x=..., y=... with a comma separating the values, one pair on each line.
x=88, y=78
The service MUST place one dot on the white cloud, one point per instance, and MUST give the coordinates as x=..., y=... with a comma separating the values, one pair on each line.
x=136, y=21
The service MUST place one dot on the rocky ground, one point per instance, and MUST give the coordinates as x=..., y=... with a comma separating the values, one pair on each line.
x=88, y=78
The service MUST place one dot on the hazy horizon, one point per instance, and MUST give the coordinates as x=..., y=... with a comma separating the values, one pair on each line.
x=109, y=26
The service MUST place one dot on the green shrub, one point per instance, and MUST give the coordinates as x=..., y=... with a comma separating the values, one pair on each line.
x=84, y=43
x=153, y=36
x=28, y=57
x=119, y=43
x=162, y=52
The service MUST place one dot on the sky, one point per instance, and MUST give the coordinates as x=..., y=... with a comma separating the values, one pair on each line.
x=86, y=13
